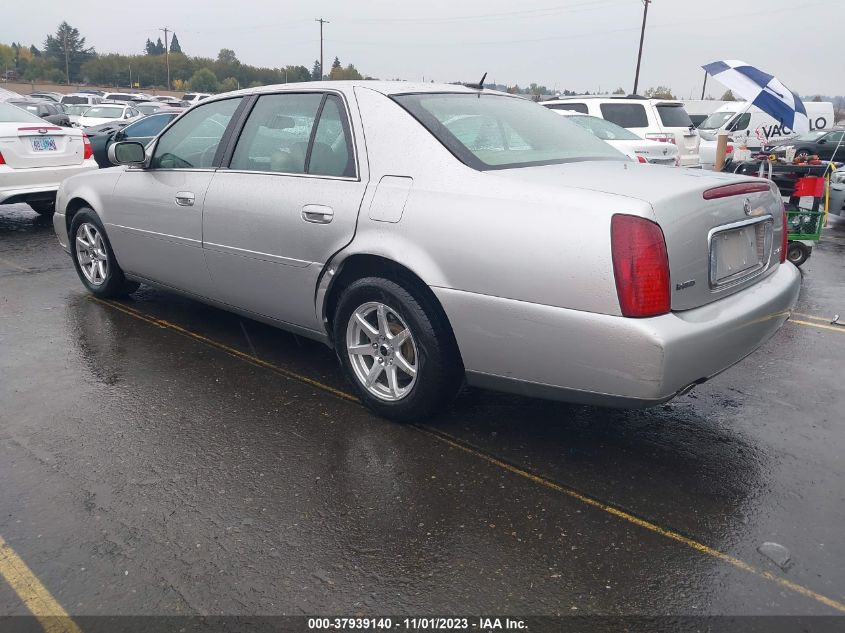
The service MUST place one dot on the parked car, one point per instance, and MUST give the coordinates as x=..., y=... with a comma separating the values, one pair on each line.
x=425, y=256
x=662, y=120
x=75, y=112
x=142, y=131
x=171, y=101
x=47, y=110
x=36, y=156
x=80, y=99
x=105, y=112
x=91, y=91
x=626, y=141
x=821, y=143
x=124, y=97
x=150, y=107
x=48, y=96
x=194, y=97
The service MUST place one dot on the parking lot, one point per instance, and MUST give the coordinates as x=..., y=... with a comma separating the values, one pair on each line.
x=161, y=457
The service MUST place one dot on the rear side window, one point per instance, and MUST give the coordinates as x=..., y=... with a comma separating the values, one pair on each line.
x=283, y=135
x=193, y=141
x=625, y=114
x=573, y=107
x=673, y=116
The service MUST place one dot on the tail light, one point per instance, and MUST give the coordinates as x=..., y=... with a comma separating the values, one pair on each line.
x=2, y=160
x=87, y=149
x=642, y=159
x=661, y=138
x=640, y=266
x=783, y=239
x=729, y=149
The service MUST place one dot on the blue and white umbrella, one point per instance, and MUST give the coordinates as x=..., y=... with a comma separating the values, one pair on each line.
x=763, y=90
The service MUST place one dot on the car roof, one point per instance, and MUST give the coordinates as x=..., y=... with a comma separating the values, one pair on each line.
x=384, y=87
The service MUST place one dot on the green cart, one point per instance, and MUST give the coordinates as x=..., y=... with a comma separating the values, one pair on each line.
x=804, y=230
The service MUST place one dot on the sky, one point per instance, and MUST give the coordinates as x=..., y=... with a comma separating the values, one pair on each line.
x=574, y=44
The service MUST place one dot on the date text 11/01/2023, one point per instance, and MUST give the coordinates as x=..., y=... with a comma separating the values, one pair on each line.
x=418, y=624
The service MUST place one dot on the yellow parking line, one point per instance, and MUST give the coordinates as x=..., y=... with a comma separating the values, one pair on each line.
x=458, y=444
x=49, y=613
x=832, y=328
x=812, y=317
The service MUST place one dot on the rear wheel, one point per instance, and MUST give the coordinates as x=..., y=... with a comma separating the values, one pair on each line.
x=397, y=349
x=797, y=253
x=93, y=257
x=43, y=207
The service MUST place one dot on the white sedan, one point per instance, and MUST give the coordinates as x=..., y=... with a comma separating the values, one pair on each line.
x=35, y=157
x=108, y=113
x=636, y=148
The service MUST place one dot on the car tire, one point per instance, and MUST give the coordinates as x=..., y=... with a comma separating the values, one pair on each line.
x=94, y=259
x=797, y=253
x=803, y=152
x=405, y=330
x=43, y=207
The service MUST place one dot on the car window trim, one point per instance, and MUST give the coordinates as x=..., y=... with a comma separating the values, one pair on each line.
x=313, y=134
x=220, y=147
x=346, y=121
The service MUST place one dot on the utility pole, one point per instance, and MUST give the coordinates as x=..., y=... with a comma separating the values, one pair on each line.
x=642, y=37
x=166, y=55
x=67, y=60
x=322, y=22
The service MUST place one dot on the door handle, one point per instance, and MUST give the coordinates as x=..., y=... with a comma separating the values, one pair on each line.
x=317, y=213
x=185, y=198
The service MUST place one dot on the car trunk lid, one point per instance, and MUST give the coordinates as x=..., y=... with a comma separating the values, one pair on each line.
x=717, y=243
x=26, y=146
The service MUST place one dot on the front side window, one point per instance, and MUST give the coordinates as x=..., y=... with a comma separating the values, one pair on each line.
x=192, y=142
x=741, y=122
x=283, y=135
x=487, y=131
x=625, y=114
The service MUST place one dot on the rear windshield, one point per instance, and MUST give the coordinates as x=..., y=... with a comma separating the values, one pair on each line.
x=104, y=112
x=605, y=130
x=78, y=109
x=120, y=96
x=188, y=97
x=497, y=132
x=74, y=99
x=148, y=109
x=573, y=107
x=14, y=114
x=673, y=115
x=625, y=114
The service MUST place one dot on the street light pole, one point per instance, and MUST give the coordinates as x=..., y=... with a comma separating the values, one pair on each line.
x=642, y=37
x=322, y=22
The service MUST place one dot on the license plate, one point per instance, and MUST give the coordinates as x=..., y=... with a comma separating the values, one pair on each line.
x=45, y=144
x=738, y=253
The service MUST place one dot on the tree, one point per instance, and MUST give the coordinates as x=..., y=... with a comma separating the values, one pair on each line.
x=7, y=57
x=619, y=91
x=339, y=73
x=66, y=50
x=335, y=63
x=316, y=71
x=817, y=99
x=34, y=50
x=227, y=56
x=728, y=96
x=660, y=92
x=228, y=85
x=175, y=47
x=204, y=81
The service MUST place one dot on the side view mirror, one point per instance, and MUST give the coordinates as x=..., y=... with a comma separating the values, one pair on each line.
x=127, y=153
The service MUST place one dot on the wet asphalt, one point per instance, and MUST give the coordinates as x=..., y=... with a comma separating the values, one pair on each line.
x=149, y=470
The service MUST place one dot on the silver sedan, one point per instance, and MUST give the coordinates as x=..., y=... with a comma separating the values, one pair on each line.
x=439, y=234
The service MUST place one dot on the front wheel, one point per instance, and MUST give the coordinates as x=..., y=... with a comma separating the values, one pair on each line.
x=93, y=257
x=397, y=349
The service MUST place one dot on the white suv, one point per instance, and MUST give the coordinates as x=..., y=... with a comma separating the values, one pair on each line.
x=652, y=119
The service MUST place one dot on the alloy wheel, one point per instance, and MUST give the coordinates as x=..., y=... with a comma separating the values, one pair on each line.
x=382, y=351
x=91, y=254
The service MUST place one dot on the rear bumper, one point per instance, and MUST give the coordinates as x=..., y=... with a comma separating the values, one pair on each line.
x=607, y=360
x=20, y=185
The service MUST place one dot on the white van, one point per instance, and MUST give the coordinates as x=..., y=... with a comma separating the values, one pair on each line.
x=661, y=120
x=757, y=128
